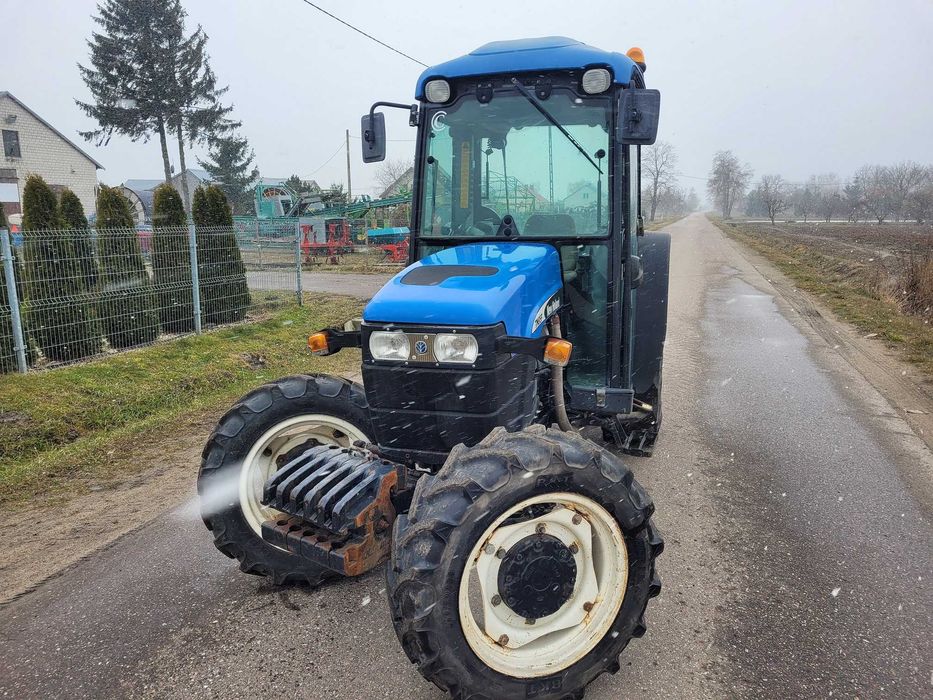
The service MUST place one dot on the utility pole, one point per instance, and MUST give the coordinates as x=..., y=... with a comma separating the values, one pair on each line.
x=349, y=191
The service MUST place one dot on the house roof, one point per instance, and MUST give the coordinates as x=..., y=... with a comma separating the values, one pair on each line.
x=4, y=93
x=142, y=185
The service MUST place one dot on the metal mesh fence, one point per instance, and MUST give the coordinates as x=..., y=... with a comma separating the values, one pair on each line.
x=80, y=294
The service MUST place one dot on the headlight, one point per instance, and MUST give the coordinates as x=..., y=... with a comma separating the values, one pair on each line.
x=596, y=80
x=437, y=91
x=455, y=347
x=389, y=345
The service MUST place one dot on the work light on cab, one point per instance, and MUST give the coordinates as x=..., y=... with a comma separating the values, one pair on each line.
x=596, y=80
x=437, y=91
x=389, y=345
x=455, y=347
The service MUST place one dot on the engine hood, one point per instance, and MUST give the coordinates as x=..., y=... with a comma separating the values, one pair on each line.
x=476, y=284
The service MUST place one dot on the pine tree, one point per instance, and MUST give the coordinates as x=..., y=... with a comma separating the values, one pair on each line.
x=229, y=161
x=222, y=275
x=73, y=219
x=126, y=305
x=171, y=261
x=59, y=309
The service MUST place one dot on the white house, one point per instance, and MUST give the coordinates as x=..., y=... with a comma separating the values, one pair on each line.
x=33, y=146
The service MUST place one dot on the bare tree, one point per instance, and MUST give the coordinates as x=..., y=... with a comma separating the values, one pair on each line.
x=658, y=163
x=873, y=182
x=919, y=203
x=391, y=172
x=774, y=194
x=727, y=181
x=804, y=200
x=902, y=179
x=828, y=195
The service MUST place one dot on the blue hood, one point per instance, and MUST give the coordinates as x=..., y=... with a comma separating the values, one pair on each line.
x=477, y=284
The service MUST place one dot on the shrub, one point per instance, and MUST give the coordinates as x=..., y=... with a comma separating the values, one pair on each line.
x=74, y=220
x=171, y=262
x=58, y=308
x=126, y=305
x=221, y=273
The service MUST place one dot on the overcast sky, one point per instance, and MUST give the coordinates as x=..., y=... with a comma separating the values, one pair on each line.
x=793, y=88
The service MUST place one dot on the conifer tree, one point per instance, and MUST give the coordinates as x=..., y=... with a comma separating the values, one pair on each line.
x=59, y=309
x=126, y=305
x=222, y=275
x=74, y=220
x=171, y=261
x=230, y=164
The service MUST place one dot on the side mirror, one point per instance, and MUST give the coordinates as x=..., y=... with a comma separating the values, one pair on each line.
x=373, y=127
x=638, y=117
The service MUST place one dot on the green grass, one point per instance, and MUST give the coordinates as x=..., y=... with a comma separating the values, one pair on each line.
x=846, y=288
x=60, y=427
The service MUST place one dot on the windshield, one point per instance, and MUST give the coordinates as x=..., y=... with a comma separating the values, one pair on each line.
x=486, y=161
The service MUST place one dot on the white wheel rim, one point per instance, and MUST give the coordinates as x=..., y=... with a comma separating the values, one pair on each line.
x=557, y=641
x=260, y=463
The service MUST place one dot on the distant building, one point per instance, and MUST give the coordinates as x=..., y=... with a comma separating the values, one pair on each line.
x=140, y=192
x=33, y=146
x=403, y=183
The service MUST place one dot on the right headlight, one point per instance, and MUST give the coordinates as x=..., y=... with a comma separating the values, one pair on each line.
x=455, y=347
x=389, y=345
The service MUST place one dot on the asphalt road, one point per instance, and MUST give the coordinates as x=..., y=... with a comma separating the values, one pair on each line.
x=795, y=505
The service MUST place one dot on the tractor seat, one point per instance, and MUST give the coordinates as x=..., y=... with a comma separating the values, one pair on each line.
x=550, y=225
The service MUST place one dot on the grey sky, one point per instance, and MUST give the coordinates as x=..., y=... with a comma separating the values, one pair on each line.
x=792, y=87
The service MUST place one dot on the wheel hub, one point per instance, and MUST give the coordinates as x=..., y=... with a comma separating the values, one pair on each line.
x=537, y=576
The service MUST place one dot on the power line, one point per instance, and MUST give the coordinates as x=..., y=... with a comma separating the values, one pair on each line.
x=339, y=148
x=360, y=31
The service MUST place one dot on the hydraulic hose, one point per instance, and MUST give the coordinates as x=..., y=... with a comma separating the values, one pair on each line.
x=557, y=385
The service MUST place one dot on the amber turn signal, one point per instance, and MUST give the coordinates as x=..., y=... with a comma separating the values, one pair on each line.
x=557, y=351
x=318, y=343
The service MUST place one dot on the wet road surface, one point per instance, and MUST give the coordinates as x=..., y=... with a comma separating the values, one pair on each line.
x=794, y=502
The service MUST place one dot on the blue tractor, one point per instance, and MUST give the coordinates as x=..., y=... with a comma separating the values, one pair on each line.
x=502, y=372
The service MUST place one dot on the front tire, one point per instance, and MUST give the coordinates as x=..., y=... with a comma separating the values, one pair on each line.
x=255, y=437
x=515, y=504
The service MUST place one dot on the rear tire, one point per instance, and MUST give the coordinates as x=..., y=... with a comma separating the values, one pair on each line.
x=250, y=441
x=451, y=516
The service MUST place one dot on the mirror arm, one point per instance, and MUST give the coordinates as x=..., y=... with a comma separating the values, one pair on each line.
x=412, y=115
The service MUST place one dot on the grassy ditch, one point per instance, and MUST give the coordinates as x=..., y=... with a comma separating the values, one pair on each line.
x=866, y=281
x=59, y=428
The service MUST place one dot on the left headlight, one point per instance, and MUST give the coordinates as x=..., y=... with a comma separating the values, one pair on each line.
x=455, y=347
x=389, y=345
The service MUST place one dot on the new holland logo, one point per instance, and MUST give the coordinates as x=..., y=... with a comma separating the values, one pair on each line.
x=421, y=347
x=548, y=309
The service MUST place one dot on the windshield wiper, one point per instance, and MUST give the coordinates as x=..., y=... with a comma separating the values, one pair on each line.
x=547, y=115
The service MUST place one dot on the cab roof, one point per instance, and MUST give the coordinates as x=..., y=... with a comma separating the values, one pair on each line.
x=526, y=55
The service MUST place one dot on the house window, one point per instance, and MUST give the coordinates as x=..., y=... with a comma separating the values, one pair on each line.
x=11, y=144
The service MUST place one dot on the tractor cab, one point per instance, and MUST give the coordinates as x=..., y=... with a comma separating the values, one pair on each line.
x=520, y=550
x=533, y=145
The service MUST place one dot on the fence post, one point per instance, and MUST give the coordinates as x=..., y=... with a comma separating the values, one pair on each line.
x=298, y=289
x=258, y=243
x=19, y=342
x=195, y=281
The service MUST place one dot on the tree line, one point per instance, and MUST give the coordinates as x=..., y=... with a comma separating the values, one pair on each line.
x=76, y=292
x=898, y=192
x=661, y=195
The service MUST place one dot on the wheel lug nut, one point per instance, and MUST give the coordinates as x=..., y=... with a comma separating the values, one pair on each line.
x=503, y=640
x=574, y=548
x=496, y=599
x=489, y=549
x=540, y=528
x=577, y=519
x=587, y=606
x=530, y=620
x=500, y=553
